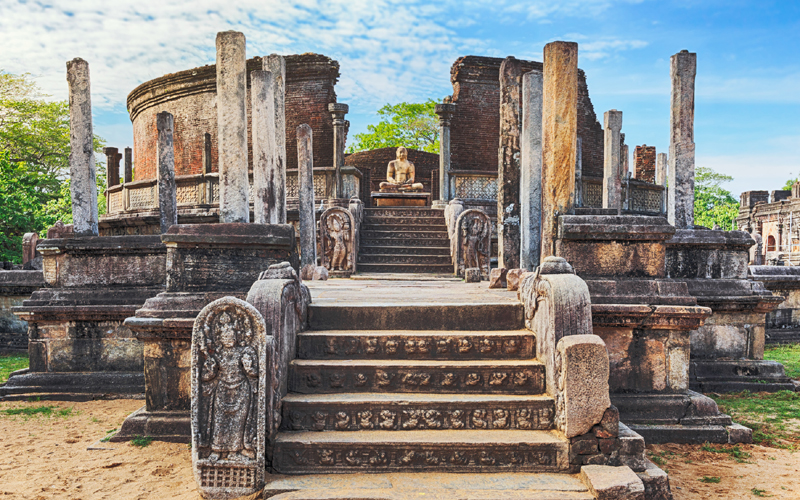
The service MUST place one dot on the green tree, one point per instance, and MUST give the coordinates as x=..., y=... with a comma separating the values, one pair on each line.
x=790, y=182
x=21, y=200
x=413, y=125
x=712, y=203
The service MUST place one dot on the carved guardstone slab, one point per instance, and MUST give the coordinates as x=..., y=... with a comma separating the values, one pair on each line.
x=473, y=246
x=337, y=238
x=229, y=396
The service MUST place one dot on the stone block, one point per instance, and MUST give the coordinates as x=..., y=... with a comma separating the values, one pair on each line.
x=584, y=375
x=612, y=483
x=610, y=423
x=472, y=275
x=307, y=272
x=656, y=482
x=583, y=445
x=738, y=433
x=320, y=273
x=497, y=278
x=513, y=278
x=607, y=446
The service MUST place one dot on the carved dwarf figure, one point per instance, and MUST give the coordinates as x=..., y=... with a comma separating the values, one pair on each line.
x=400, y=174
x=230, y=373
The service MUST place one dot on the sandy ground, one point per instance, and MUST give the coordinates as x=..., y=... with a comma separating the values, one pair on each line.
x=43, y=458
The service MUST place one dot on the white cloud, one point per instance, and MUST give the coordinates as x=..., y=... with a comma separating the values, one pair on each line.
x=752, y=172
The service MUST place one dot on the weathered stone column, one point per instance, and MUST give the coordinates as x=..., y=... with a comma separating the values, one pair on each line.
x=165, y=152
x=531, y=171
x=305, y=196
x=680, y=208
x=82, y=169
x=508, y=170
x=338, y=110
x=112, y=174
x=612, y=160
x=579, y=174
x=276, y=65
x=234, y=183
x=661, y=178
x=559, y=137
x=445, y=111
x=128, y=165
x=268, y=187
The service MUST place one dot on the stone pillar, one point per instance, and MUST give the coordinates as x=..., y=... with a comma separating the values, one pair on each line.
x=579, y=174
x=128, y=165
x=445, y=112
x=207, y=153
x=268, y=184
x=612, y=160
x=276, y=65
x=559, y=137
x=82, y=169
x=234, y=183
x=112, y=175
x=338, y=110
x=508, y=170
x=625, y=154
x=661, y=178
x=165, y=152
x=305, y=196
x=531, y=171
x=680, y=208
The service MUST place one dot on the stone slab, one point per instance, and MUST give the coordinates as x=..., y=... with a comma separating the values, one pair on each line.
x=681, y=434
x=656, y=482
x=401, y=199
x=584, y=375
x=72, y=382
x=612, y=483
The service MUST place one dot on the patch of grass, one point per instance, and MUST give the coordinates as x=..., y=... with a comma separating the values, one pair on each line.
x=711, y=479
x=11, y=363
x=657, y=459
x=759, y=493
x=40, y=411
x=735, y=452
x=141, y=441
x=774, y=417
x=788, y=355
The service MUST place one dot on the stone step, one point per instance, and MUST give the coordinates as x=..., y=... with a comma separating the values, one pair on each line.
x=377, y=248
x=426, y=315
x=413, y=221
x=394, y=259
x=367, y=226
x=404, y=235
x=404, y=412
x=403, y=242
x=429, y=451
x=782, y=336
x=405, y=268
x=307, y=376
x=416, y=344
x=402, y=212
x=429, y=486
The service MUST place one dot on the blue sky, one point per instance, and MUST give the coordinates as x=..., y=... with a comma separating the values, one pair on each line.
x=748, y=58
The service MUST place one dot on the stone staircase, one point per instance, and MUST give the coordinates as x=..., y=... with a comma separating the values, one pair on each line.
x=404, y=240
x=466, y=399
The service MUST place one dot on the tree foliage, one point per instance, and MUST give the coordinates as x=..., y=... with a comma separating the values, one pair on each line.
x=790, y=182
x=712, y=203
x=413, y=125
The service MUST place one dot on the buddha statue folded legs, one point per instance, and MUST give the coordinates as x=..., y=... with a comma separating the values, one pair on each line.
x=400, y=175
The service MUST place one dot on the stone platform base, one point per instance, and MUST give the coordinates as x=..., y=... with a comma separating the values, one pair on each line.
x=95, y=383
x=170, y=426
x=401, y=199
x=739, y=375
x=779, y=336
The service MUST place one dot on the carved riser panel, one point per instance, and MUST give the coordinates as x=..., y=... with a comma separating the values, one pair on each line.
x=423, y=221
x=404, y=235
x=402, y=212
x=405, y=228
x=404, y=259
x=294, y=458
x=408, y=268
x=404, y=250
x=337, y=379
x=406, y=416
x=451, y=346
x=398, y=242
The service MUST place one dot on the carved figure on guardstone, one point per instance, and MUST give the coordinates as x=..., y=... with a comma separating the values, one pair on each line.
x=229, y=391
x=337, y=238
x=473, y=230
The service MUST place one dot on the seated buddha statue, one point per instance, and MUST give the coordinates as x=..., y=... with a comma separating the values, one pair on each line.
x=400, y=174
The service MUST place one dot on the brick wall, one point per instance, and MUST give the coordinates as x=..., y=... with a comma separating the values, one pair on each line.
x=475, y=128
x=191, y=97
x=644, y=163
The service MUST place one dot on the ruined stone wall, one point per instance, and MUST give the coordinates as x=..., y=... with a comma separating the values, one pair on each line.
x=644, y=163
x=475, y=127
x=191, y=97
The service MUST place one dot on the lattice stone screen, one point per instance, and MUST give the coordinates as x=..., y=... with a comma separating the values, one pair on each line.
x=475, y=187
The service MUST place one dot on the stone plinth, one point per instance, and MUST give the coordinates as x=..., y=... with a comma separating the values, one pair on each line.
x=728, y=350
x=16, y=287
x=401, y=199
x=782, y=324
x=77, y=340
x=205, y=262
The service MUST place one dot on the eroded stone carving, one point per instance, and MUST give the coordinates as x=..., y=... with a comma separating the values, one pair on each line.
x=230, y=361
x=337, y=230
x=473, y=249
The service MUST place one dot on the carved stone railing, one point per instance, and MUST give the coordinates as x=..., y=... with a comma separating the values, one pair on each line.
x=203, y=189
x=470, y=185
x=641, y=197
